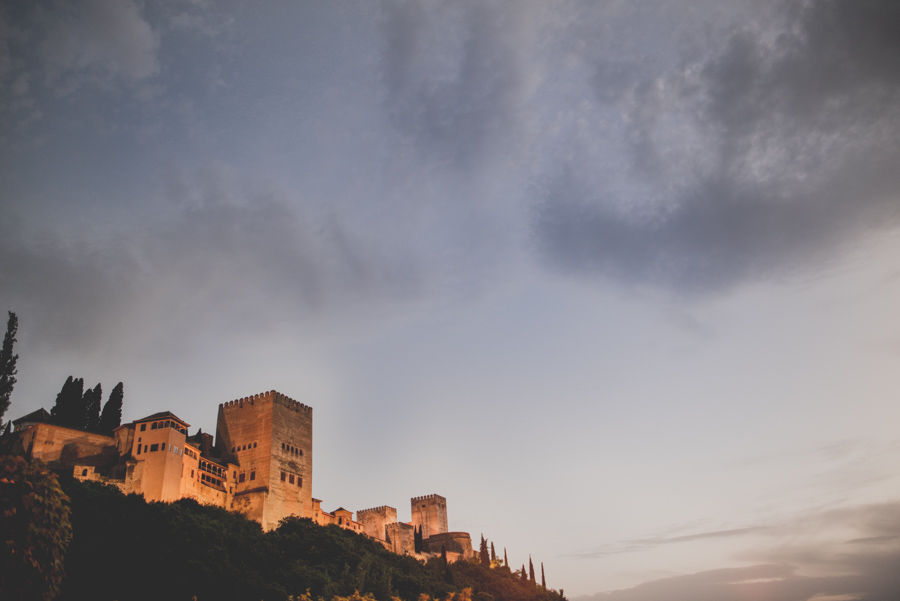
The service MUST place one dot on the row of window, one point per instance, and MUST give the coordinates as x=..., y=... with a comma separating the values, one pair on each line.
x=212, y=468
x=164, y=424
x=190, y=452
x=158, y=447
x=290, y=479
x=249, y=445
x=291, y=449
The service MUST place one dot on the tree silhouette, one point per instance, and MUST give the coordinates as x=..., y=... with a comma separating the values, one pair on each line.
x=8, y=363
x=111, y=418
x=543, y=579
x=69, y=408
x=530, y=569
x=92, y=400
x=483, y=553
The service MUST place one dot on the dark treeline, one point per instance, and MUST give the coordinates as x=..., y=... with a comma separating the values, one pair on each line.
x=127, y=549
x=78, y=408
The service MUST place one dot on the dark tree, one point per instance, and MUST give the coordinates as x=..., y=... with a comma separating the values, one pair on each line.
x=524, y=573
x=417, y=539
x=505, y=560
x=483, y=553
x=92, y=399
x=543, y=579
x=111, y=418
x=35, y=530
x=8, y=363
x=69, y=408
x=530, y=569
x=493, y=554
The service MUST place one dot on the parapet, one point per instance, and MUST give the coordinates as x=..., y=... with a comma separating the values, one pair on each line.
x=271, y=396
x=379, y=509
x=428, y=498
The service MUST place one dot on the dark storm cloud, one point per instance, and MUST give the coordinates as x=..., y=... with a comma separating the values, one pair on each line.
x=221, y=262
x=863, y=568
x=767, y=157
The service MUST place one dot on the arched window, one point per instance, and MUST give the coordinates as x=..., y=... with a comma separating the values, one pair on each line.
x=84, y=472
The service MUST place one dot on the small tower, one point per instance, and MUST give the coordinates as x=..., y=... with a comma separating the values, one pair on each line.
x=430, y=514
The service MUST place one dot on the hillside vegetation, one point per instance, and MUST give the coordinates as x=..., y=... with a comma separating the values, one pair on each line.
x=126, y=549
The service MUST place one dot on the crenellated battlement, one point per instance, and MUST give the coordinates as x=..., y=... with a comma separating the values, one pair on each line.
x=379, y=509
x=428, y=498
x=271, y=396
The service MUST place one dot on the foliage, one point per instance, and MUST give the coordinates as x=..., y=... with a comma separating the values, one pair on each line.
x=69, y=408
x=92, y=399
x=211, y=553
x=8, y=364
x=34, y=522
x=111, y=418
x=483, y=553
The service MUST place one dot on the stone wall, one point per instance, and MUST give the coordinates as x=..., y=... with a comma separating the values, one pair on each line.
x=430, y=514
x=375, y=520
x=63, y=447
x=270, y=437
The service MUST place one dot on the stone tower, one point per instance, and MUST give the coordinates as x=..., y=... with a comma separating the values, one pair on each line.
x=269, y=436
x=430, y=514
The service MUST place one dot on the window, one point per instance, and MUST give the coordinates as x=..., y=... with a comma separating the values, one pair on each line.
x=254, y=445
x=145, y=448
x=153, y=426
x=241, y=478
x=282, y=446
x=84, y=472
x=253, y=475
x=234, y=475
x=139, y=450
x=301, y=452
x=283, y=476
x=299, y=482
x=232, y=449
x=143, y=427
x=192, y=473
x=291, y=478
x=154, y=448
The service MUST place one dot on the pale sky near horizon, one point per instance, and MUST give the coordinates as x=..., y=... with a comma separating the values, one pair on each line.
x=619, y=280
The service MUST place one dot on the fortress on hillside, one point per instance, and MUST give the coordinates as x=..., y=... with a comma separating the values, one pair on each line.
x=259, y=464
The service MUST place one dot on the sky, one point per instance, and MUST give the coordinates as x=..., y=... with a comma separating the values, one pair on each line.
x=617, y=279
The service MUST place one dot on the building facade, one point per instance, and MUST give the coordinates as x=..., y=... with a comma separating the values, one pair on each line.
x=259, y=464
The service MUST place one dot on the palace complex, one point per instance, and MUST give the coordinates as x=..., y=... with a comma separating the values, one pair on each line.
x=259, y=464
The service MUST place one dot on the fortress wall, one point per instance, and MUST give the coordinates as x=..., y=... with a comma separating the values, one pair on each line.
x=291, y=427
x=254, y=429
x=401, y=538
x=429, y=513
x=375, y=520
x=61, y=446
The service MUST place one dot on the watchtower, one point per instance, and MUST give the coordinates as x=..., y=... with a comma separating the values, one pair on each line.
x=269, y=436
x=430, y=514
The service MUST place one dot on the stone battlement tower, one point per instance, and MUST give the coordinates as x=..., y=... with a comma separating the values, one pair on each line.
x=430, y=514
x=269, y=436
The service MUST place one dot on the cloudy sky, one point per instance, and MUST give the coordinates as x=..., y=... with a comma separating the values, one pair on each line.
x=618, y=279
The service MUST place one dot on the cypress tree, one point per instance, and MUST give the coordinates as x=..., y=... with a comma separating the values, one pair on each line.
x=69, y=409
x=483, y=553
x=493, y=554
x=543, y=579
x=524, y=573
x=530, y=569
x=92, y=399
x=111, y=418
x=8, y=363
x=505, y=560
